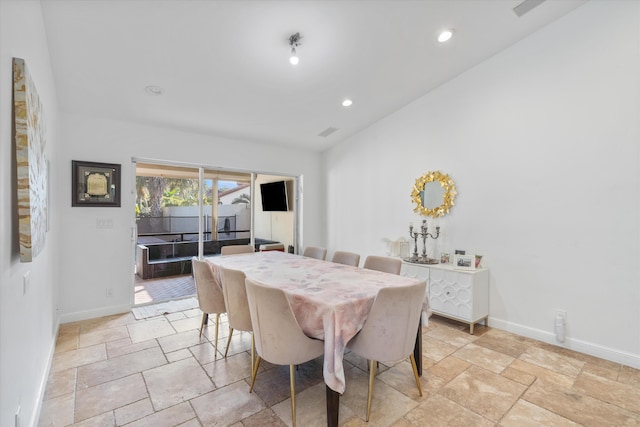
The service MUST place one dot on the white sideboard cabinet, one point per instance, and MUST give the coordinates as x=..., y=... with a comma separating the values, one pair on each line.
x=462, y=295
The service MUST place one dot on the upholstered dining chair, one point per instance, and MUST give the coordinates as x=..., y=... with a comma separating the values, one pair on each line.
x=389, y=333
x=315, y=252
x=210, y=296
x=279, y=338
x=236, y=249
x=235, y=298
x=383, y=263
x=346, y=258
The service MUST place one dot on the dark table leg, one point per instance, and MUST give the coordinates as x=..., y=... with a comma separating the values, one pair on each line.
x=417, y=350
x=333, y=405
x=333, y=397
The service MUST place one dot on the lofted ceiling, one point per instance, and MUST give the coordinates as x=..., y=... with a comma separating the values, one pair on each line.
x=223, y=66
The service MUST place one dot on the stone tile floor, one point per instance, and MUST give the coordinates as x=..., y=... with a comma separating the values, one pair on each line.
x=151, y=291
x=116, y=370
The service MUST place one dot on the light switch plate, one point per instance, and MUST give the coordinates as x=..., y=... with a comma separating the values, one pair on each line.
x=104, y=223
x=25, y=282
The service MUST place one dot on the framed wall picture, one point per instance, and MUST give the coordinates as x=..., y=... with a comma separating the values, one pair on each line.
x=31, y=163
x=95, y=184
x=464, y=262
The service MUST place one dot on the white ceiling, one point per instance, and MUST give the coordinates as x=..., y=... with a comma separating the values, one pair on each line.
x=224, y=69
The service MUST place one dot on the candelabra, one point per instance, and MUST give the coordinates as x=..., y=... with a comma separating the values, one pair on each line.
x=424, y=234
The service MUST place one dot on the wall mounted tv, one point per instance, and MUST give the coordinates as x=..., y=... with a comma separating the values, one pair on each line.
x=274, y=196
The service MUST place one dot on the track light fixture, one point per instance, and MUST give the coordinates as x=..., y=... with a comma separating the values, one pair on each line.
x=294, y=41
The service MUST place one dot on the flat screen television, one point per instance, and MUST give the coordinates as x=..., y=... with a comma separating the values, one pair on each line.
x=274, y=196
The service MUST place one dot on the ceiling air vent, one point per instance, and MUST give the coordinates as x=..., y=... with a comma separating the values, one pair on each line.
x=328, y=131
x=526, y=6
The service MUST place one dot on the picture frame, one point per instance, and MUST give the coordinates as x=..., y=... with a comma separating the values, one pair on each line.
x=478, y=260
x=445, y=258
x=464, y=262
x=95, y=184
x=460, y=252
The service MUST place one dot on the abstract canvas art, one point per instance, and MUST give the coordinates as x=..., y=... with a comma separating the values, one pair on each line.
x=31, y=161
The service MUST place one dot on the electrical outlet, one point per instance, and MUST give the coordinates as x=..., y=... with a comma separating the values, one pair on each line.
x=109, y=292
x=560, y=325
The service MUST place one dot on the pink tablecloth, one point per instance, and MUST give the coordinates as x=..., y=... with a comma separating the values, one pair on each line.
x=330, y=301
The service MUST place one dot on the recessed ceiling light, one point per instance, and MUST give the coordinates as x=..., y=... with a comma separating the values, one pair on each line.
x=347, y=103
x=445, y=36
x=154, y=90
x=293, y=59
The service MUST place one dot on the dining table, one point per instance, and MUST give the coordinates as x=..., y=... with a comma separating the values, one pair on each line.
x=330, y=302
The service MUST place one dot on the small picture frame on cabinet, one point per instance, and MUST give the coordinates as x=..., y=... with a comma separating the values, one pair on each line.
x=464, y=262
x=478, y=259
x=460, y=252
x=445, y=258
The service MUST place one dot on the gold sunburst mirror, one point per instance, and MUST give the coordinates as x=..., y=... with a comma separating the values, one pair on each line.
x=434, y=194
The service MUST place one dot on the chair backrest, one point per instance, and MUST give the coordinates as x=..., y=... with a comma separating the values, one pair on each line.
x=236, y=249
x=389, y=333
x=278, y=336
x=210, y=296
x=315, y=252
x=383, y=263
x=346, y=258
x=235, y=298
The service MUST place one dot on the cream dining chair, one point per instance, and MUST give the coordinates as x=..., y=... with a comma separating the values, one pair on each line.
x=279, y=338
x=383, y=263
x=389, y=333
x=236, y=249
x=315, y=252
x=235, y=298
x=346, y=258
x=210, y=296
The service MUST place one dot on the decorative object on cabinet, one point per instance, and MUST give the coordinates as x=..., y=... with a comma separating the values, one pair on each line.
x=424, y=234
x=434, y=194
x=464, y=262
x=95, y=184
x=460, y=252
x=445, y=259
x=461, y=295
x=478, y=259
x=397, y=248
x=31, y=163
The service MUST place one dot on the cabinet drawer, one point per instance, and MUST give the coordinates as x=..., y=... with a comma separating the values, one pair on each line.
x=451, y=292
x=415, y=271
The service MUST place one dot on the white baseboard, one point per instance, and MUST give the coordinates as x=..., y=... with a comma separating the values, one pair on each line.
x=591, y=349
x=98, y=312
x=45, y=378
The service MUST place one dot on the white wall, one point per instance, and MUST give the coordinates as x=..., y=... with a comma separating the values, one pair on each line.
x=28, y=321
x=543, y=143
x=96, y=259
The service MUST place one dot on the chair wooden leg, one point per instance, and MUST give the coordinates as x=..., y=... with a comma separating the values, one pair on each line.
x=228, y=342
x=204, y=319
x=215, y=344
x=255, y=371
x=415, y=372
x=292, y=381
x=253, y=352
x=372, y=376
